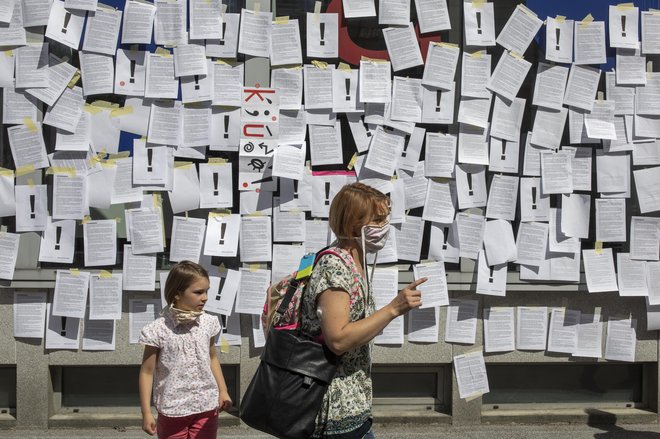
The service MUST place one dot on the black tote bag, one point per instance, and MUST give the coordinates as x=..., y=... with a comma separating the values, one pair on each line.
x=286, y=393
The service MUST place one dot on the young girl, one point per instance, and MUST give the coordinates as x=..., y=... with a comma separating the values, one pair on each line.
x=180, y=361
x=338, y=305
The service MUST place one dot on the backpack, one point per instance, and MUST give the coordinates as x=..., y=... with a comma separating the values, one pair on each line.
x=286, y=316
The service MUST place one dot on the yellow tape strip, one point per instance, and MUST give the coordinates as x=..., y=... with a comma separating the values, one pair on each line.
x=282, y=20
x=320, y=64
x=121, y=111
x=74, y=272
x=64, y=170
x=217, y=161
x=105, y=274
x=560, y=19
x=352, y=162
x=224, y=344
x=92, y=109
x=598, y=247
x=9, y=53
x=30, y=182
x=74, y=80
x=254, y=267
x=163, y=52
x=478, y=54
x=445, y=44
x=624, y=6
x=183, y=165
x=586, y=21
x=373, y=60
x=86, y=219
x=345, y=67
x=6, y=172
x=24, y=170
x=29, y=123
x=478, y=3
x=104, y=104
x=219, y=213
x=516, y=55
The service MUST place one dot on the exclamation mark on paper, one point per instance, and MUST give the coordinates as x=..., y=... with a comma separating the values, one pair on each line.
x=295, y=189
x=405, y=146
x=438, y=98
x=503, y=156
x=623, y=25
x=469, y=182
x=224, y=28
x=533, y=198
x=445, y=231
x=479, y=22
x=223, y=229
x=63, y=330
x=216, y=190
x=347, y=84
x=150, y=158
x=196, y=82
x=222, y=279
x=490, y=277
x=132, y=78
x=33, y=213
x=557, y=33
x=226, y=119
x=224, y=323
x=58, y=237
x=322, y=29
x=67, y=17
x=327, y=193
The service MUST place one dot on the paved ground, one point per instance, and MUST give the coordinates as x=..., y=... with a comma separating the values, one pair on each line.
x=391, y=431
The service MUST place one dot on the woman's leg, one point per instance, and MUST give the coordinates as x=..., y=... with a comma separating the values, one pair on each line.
x=204, y=425
x=173, y=428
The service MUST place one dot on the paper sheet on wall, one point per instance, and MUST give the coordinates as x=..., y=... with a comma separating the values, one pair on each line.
x=581, y=87
x=519, y=30
x=58, y=242
x=160, y=80
x=384, y=290
x=599, y=270
x=285, y=47
x=575, y=215
x=225, y=46
x=31, y=208
x=499, y=329
x=252, y=289
x=624, y=27
x=70, y=297
x=531, y=328
x=375, y=81
x=503, y=197
x=479, y=23
x=559, y=40
x=65, y=25
x=139, y=271
x=100, y=242
x=491, y=279
x=461, y=323
x=138, y=22
x=29, y=314
x=644, y=238
x=499, y=243
x=550, y=86
x=563, y=331
x=434, y=290
x=589, y=42
x=254, y=38
x=423, y=325
x=471, y=372
x=611, y=220
x=508, y=76
x=8, y=254
x=61, y=332
x=471, y=230
x=621, y=339
x=322, y=35
x=589, y=336
x=141, y=312
x=32, y=66
x=255, y=239
x=105, y=297
x=631, y=276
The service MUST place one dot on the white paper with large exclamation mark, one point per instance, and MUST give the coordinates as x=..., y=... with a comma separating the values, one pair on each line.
x=61, y=332
x=443, y=242
x=438, y=105
x=198, y=88
x=225, y=129
x=222, y=235
x=65, y=25
x=225, y=46
x=534, y=205
x=222, y=300
x=322, y=35
x=324, y=189
x=58, y=242
x=130, y=72
x=559, y=40
x=624, y=27
x=31, y=208
x=344, y=91
x=479, y=23
x=216, y=190
x=471, y=186
x=296, y=194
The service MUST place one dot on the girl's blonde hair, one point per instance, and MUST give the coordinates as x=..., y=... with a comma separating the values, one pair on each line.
x=354, y=206
x=181, y=276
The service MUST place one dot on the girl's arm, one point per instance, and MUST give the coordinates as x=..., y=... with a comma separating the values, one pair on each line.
x=224, y=401
x=146, y=382
x=341, y=335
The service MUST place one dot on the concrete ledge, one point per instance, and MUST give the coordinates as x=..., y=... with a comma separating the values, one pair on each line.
x=7, y=421
x=570, y=416
x=112, y=420
x=389, y=416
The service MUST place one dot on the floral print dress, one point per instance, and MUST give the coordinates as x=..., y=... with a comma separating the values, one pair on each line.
x=347, y=402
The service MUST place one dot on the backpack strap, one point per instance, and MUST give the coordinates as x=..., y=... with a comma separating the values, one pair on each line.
x=293, y=285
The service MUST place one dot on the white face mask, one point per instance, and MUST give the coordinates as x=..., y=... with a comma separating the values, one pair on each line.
x=374, y=238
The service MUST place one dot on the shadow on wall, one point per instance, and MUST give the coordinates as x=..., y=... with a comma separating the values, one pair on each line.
x=607, y=422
